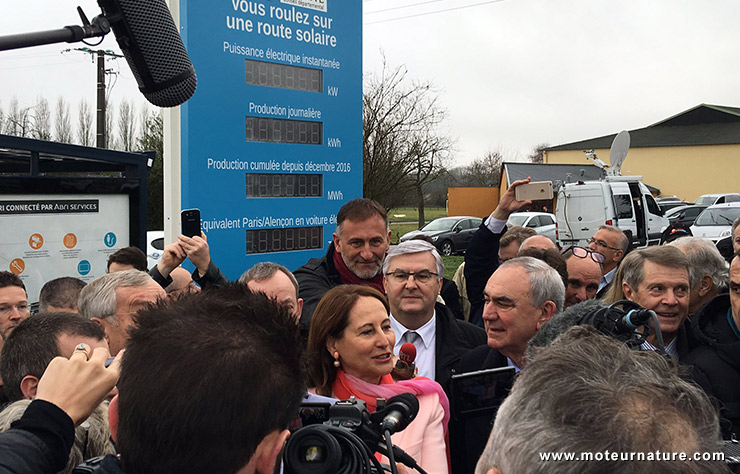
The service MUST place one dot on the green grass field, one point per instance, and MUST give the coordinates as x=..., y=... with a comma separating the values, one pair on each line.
x=451, y=264
x=411, y=214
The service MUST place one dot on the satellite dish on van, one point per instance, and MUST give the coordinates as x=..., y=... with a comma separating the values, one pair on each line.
x=618, y=152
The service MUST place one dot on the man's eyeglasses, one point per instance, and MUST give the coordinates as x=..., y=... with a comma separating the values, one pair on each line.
x=580, y=252
x=8, y=308
x=600, y=243
x=422, y=276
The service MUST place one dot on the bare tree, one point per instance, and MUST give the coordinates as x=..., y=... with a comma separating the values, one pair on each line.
x=428, y=154
x=485, y=171
x=402, y=146
x=40, y=119
x=144, y=115
x=110, y=139
x=126, y=126
x=62, y=121
x=2, y=118
x=537, y=155
x=17, y=119
x=85, y=131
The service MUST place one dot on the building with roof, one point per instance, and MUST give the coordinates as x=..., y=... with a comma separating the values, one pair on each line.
x=689, y=154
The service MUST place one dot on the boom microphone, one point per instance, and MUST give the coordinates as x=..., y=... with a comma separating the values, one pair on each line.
x=149, y=39
x=634, y=319
x=619, y=320
x=399, y=411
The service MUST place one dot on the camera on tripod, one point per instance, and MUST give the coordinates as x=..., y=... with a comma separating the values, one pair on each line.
x=342, y=438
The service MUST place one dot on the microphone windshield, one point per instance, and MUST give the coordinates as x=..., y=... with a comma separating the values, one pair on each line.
x=407, y=352
x=400, y=411
x=149, y=39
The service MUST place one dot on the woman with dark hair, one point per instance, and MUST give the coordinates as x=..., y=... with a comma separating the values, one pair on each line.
x=350, y=351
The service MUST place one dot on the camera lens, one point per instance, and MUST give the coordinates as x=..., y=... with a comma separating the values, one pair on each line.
x=312, y=450
x=313, y=454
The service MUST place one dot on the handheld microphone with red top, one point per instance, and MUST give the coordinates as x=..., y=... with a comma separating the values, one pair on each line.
x=406, y=356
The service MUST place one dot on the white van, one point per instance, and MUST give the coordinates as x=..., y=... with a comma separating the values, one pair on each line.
x=621, y=201
x=718, y=198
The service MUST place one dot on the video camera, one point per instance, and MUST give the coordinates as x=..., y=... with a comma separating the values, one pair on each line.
x=342, y=438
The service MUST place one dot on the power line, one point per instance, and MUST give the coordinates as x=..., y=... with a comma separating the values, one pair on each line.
x=404, y=6
x=432, y=13
x=66, y=62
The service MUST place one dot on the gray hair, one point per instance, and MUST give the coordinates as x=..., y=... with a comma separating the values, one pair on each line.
x=414, y=246
x=544, y=281
x=265, y=271
x=92, y=437
x=633, y=264
x=735, y=226
x=589, y=393
x=624, y=242
x=704, y=259
x=98, y=299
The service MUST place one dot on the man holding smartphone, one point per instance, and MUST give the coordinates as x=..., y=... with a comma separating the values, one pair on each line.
x=195, y=248
x=481, y=258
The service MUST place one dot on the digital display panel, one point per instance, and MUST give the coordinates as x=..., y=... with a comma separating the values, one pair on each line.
x=284, y=240
x=261, y=73
x=271, y=130
x=263, y=185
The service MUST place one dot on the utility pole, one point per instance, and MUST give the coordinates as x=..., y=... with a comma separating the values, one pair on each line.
x=100, y=142
x=101, y=102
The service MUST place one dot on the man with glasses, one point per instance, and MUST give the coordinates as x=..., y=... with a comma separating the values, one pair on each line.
x=413, y=277
x=611, y=242
x=584, y=274
x=13, y=303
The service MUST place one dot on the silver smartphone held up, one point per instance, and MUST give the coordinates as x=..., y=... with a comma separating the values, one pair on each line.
x=534, y=191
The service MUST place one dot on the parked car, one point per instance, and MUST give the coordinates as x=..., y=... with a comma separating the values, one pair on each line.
x=715, y=222
x=663, y=199
x=666, y=206
x=542, y=222
x=154, y=247
x=717, y=198
x=449, y=234
x=684, y=214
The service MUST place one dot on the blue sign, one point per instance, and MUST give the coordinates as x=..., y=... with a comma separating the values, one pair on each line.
x=271, y=141
x=110, y=239
x=83, y=267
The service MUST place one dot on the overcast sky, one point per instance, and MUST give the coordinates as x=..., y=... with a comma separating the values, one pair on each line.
x=511, y=73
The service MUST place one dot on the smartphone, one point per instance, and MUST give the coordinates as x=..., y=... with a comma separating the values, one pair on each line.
x=190, y=222
x=534, y=191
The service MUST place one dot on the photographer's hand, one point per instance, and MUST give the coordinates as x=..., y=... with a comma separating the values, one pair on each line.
x=78, y=385
x=508, y=203
x=198, y=252
x=172, y=257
